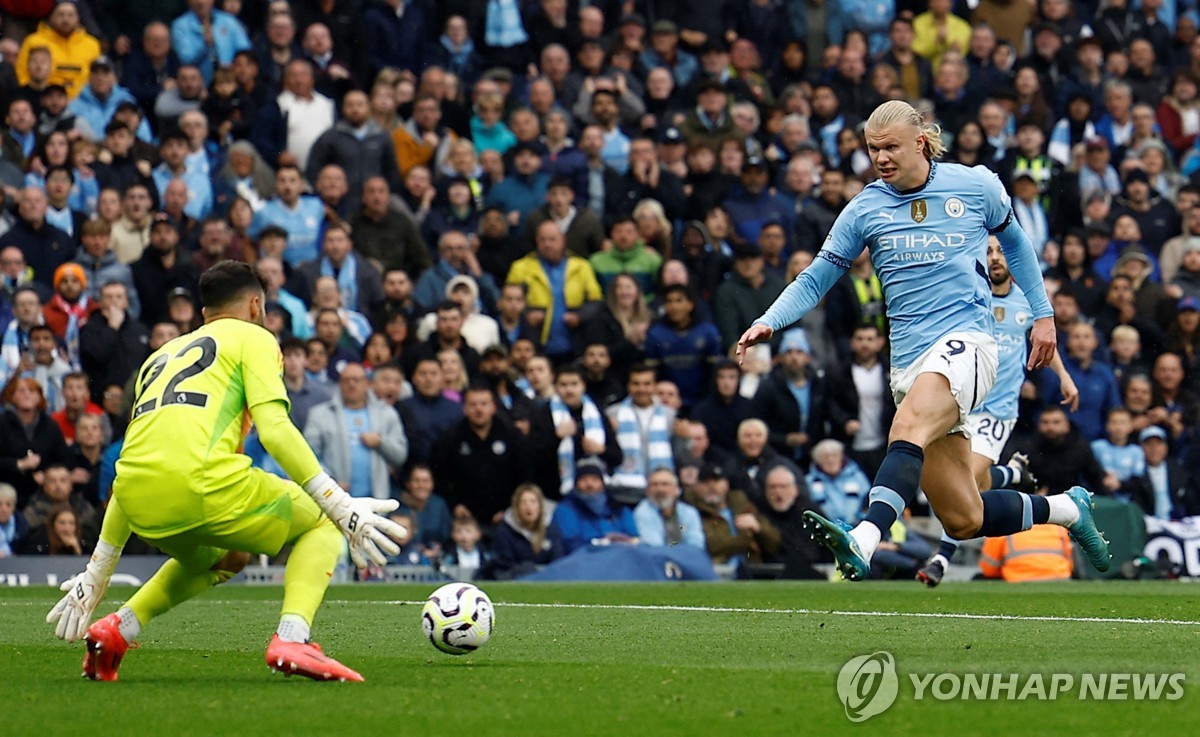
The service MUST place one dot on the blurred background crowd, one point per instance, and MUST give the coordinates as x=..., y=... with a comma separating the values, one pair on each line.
x=509, y=244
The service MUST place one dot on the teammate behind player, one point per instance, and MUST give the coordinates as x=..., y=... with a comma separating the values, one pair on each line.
x=183, y=486
x=927, y=225
x=992, y=423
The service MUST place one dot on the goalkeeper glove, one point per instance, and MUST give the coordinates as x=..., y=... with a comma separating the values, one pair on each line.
x=363, y=521
x=84, y=592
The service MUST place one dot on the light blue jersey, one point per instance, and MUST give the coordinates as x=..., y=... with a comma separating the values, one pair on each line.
x=928, y=245
x=304, y=225
x=1013, y=320
x=1123, y=461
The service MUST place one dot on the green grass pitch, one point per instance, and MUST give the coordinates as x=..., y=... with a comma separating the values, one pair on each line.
x=607, y=669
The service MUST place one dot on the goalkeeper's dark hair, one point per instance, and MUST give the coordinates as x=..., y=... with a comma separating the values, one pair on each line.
x=228, y=280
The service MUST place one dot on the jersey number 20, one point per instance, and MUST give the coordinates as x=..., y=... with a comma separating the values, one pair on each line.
x=171, y=395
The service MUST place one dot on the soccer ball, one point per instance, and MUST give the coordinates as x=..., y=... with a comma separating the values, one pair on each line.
x=458, y=618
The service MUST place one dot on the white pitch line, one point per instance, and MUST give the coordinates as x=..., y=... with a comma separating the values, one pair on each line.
x=731, y=610
x=837, y=612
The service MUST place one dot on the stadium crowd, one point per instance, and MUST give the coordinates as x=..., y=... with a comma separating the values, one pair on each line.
x=509, y=244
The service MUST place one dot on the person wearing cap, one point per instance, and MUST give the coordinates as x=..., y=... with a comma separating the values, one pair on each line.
x=1030, y=213
x=748, y=291
x=1141, y=269
x=163, y=266
x=1156, y=217
x=664, y=51
x=585, y=516
x=524, y=189
x=1167, y=490
x=754, y=204
x=54, y=115
x=44, y=246
x=478, y=330
x=96, y=104
x=72, y=48
x=735, y=531
x=794, y=399
x=70, y=307
x=709, y=123
x=1097, y=173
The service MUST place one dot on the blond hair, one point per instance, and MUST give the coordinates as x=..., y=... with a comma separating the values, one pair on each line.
x=899, y=112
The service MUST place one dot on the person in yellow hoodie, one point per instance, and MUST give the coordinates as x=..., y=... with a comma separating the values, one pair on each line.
x=937, y=31
x=1041, y=553
x=72, y=49
x=557, y=285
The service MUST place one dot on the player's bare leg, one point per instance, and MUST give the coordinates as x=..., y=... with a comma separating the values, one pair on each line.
x=927, y=412
x=934, y=570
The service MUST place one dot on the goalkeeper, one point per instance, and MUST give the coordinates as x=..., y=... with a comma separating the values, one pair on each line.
x=184, y=487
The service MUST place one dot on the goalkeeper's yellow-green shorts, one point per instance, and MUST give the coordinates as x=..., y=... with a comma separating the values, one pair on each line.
x=261, y=516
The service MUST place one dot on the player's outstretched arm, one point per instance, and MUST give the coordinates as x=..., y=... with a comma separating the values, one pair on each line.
x=1067, y=387
x=84, y=591
x=802, y=295
x=363, y=521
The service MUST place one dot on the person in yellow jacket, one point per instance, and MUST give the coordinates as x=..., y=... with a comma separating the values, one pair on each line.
x=1041, y=553
x=72, y=49
x=937, y=31
x=557, y=284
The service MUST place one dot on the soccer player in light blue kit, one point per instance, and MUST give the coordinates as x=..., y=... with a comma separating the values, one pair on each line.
x=926, y=225
x=992, y=423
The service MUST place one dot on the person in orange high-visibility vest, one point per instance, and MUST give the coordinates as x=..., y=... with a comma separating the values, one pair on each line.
x=1041, y=553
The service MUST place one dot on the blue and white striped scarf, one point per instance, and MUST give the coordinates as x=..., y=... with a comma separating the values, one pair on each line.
x=593, y=429
x=347, y=279
x=504, y=28
x=644, y=450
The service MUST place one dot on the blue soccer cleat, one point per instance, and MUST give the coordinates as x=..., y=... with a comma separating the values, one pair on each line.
x=1084, y=530
x=851, y=563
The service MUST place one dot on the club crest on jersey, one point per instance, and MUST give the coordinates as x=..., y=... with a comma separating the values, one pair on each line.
x=955, y=207
x=999, y=313
x=919, y=210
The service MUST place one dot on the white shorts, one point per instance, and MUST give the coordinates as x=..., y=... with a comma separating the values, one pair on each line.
x=967, y=360
x=989, y=434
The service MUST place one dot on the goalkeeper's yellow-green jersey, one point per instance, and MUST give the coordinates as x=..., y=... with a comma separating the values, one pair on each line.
x=181, y=464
